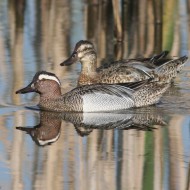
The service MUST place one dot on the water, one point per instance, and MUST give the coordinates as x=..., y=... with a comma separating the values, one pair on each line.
x=148, y=148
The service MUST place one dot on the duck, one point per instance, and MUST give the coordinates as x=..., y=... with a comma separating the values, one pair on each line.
x=95, y=97
x=130, y=70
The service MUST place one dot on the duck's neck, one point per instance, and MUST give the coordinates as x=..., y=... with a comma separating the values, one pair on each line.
x=52, y=101
x=52, y=104
x=88, y=73
x=89, y=65
x=53, y=93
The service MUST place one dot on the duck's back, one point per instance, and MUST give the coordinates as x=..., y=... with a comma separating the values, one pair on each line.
x=123, y=73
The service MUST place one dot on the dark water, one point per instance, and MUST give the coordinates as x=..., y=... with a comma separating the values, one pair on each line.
x=146, y=149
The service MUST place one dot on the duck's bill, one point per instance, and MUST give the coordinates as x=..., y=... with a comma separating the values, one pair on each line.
x=25, y=90
x=69, y=61
x=27, y=129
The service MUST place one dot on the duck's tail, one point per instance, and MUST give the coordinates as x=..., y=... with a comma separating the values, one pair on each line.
x=171, y=68
x=157, y=58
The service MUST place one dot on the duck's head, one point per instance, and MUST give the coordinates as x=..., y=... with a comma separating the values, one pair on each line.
x=84, y=51
x=44, y=83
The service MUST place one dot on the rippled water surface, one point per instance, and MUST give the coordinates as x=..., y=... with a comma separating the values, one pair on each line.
x=147, y=148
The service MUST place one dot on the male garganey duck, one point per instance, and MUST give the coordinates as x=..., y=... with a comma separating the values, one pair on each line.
x=93, y=98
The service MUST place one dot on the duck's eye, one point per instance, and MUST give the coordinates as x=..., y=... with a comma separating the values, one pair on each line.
x=32, y=85
x=74, y=54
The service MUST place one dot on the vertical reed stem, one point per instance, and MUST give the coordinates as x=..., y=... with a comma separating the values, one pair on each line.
x=158, y=10
x=117, y=20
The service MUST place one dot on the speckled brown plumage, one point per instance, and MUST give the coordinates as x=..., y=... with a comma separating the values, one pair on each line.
x=123, y=71
x=150, y=93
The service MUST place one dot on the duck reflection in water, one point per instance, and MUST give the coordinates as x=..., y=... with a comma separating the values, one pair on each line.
x=139, y=119
x=49, y=129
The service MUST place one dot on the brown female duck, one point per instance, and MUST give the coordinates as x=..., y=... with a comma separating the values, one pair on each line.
x=131, y=70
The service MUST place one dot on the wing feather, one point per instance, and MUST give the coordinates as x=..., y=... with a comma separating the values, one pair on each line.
x=108, y=98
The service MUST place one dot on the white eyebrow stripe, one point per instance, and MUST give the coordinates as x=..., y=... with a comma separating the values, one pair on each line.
x=49, y=77
x=84, y=46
